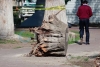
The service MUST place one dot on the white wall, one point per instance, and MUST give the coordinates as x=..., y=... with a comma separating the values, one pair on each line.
x=73, y=5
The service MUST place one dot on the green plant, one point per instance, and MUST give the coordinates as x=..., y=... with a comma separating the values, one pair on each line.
x=75, y=39
x=79, y=57
x=86, y=59
x=17, y=20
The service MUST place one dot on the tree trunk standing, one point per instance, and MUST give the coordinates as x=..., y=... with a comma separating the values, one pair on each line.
x=6, y=19
x=53, y=3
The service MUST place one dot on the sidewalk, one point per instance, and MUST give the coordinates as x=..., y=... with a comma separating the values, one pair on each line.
x=14, y=58
x=86, y=50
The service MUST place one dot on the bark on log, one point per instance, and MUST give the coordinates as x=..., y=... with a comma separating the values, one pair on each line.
x=50, y=37
x=52, y=46
x=55, y=26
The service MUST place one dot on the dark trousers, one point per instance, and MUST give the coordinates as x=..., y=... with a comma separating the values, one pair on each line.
x=84, y=23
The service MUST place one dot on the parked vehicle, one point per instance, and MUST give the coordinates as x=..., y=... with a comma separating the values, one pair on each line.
x=27, y=10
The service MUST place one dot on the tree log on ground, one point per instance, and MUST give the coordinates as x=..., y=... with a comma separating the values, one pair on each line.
x=51, y=37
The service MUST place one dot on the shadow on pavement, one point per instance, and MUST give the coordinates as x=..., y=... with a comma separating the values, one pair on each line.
x=79, y=43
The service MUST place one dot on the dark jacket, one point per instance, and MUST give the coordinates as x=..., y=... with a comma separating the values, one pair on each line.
x=84, y=12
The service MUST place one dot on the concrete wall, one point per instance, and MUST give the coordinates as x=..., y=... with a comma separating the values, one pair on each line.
x=73, y=5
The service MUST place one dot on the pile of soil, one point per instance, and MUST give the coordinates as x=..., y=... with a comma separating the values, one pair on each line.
x=82, y=61
x=84, y=64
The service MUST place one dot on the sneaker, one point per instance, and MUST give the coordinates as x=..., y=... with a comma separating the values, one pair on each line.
x=80, y=43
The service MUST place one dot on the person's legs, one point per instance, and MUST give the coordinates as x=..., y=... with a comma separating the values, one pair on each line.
x=87, y=30
x=81, y=28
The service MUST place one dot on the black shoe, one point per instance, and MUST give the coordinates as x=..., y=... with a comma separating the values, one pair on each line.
x=80, y=43
x=87, y=43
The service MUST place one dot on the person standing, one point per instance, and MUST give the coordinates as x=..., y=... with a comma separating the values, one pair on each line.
x=84, y=13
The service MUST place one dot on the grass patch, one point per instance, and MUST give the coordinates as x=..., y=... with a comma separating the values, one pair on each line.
x=81, y=61
x=7, y=41
x=74, y=39
x=29, y=34
x=75, y=32
x=24, y=33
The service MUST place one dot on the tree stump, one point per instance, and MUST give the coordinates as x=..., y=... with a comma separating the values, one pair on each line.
x=51, y=38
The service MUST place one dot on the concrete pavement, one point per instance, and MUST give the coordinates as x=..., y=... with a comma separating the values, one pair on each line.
x=86, y=50
x=14, y=57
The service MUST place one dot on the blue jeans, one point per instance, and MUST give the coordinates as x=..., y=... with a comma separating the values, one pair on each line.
x=84, y=23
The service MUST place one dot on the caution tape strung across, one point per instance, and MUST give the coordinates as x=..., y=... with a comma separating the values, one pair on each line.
x=51, y=8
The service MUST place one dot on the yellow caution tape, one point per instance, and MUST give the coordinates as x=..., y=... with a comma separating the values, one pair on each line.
x=51, y=8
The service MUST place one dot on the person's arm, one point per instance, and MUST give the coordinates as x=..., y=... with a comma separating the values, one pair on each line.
x=90, y=12
x=78, y=12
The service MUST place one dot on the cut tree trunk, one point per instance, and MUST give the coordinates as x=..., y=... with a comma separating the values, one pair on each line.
x=52, y=36
x=6, y=19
